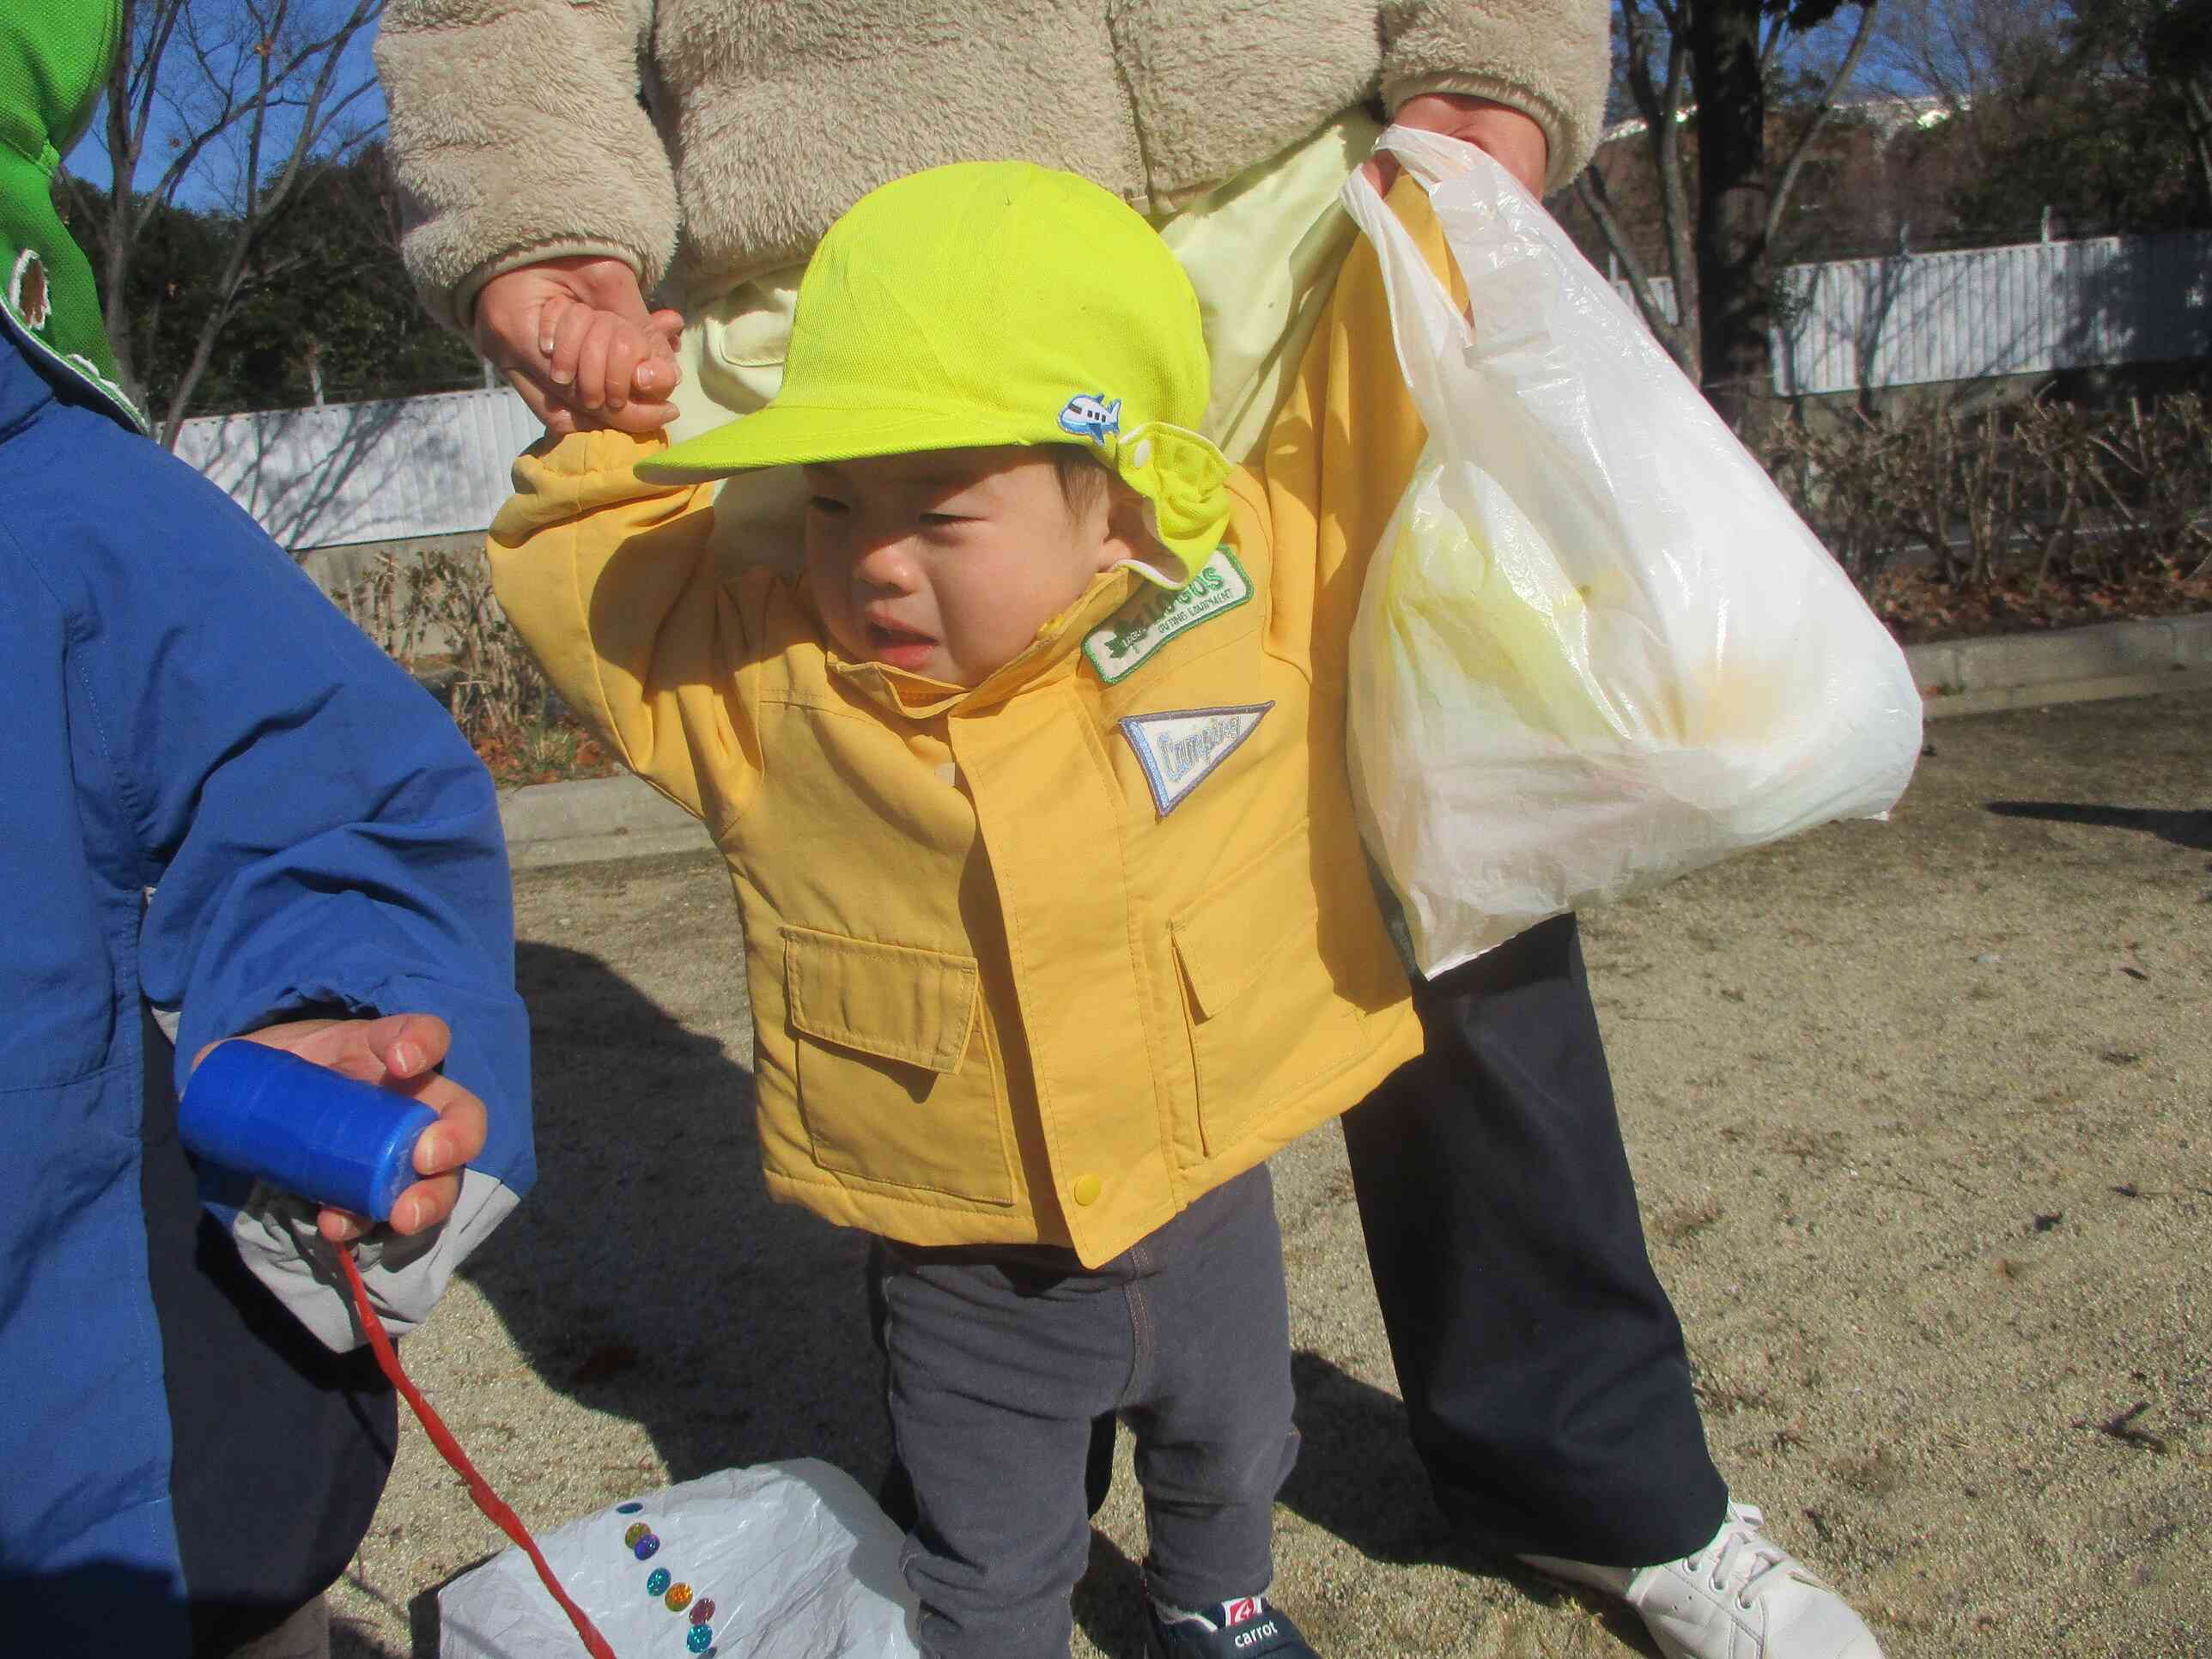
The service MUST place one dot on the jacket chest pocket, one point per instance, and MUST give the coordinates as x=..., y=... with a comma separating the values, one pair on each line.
x=1267, y=1024
x=897, y=1083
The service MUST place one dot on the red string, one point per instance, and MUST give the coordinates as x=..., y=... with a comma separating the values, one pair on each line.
x=450, y=1448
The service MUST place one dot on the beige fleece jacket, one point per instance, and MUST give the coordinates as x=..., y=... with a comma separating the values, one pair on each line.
x=712, y=140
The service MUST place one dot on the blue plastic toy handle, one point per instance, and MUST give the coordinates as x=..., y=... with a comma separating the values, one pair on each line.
x=332, y=1139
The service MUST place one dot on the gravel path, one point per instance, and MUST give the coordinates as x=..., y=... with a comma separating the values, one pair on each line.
x=1922, y=1119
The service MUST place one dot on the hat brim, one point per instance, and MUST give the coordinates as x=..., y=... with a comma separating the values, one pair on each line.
x=800, y=434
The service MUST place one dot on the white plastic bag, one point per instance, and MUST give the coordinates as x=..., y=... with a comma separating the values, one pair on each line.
x=789, y=1561
x=1597, y=647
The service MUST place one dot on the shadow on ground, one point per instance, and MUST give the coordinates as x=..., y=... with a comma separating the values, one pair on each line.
x=1358, y=1480
x=649, y=1277
x=1356, y=1477
x=2191, y=830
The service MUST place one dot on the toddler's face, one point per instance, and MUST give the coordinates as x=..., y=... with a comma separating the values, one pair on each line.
x=947, y=563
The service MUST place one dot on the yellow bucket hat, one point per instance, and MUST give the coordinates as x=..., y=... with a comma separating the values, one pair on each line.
x=992, y=303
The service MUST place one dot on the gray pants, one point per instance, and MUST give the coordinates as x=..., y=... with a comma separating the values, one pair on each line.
x=998, y=1358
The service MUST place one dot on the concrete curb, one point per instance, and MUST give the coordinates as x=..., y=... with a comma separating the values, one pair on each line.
x=2020, y=671
x=598, y=818
x=595, y=818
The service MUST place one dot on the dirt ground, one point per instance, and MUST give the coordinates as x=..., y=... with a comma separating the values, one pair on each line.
x=1921, y=1115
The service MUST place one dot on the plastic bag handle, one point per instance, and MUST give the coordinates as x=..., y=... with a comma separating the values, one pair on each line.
x=1430, y=157
x=1514, y=284
x=1426, y=326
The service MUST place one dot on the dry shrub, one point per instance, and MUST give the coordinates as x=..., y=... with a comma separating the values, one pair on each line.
x=435, y=615
x=385, y=605
x=2152, y=475
x=2046, y=488
x=1850, y=484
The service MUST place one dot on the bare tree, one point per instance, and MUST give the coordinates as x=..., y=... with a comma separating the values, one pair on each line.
x=231, y=99
x=2176, y=43
x=1702, y=70
x=1959, y=52
x=2100, y=108
x=1652, y=58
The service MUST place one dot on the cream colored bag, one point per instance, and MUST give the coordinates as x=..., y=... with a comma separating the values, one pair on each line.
x=1596, y=648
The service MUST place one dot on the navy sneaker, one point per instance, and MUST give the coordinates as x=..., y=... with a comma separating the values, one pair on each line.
x=1246, y=1628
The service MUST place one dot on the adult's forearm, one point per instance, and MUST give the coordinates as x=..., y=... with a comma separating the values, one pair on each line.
x=517, y=135
x=1550, y=59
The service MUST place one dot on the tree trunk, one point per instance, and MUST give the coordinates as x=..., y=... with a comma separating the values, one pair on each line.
x=2197, y=111
x=1734, y=309
x=116, y=239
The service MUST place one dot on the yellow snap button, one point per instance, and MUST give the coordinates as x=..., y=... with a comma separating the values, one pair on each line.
x=1087, y=1188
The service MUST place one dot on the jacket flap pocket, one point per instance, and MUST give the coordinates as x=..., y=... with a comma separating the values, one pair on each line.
x=889, y=1000
x=1226, y=940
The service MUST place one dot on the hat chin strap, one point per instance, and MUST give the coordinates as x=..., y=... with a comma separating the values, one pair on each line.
x=1183, y=477
x=1168, y=571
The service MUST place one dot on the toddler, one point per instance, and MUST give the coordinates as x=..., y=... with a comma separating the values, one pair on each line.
x=1032, y=787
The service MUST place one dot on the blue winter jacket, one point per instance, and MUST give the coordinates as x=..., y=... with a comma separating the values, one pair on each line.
x=216, y=798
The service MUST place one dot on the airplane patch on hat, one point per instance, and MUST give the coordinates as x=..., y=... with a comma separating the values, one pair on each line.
x=1088, y=415
x=1156, y=616
x=1180, y=749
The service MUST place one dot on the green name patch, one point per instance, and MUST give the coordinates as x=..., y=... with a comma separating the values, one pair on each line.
x=1151, y=620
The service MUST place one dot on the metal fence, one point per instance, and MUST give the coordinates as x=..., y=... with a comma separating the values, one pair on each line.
x=343, y=473
x=438, y=466
x=1930, y=319
x=1917, y=318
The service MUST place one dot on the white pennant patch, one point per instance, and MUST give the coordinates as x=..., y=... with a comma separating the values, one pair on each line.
x=1180, y=749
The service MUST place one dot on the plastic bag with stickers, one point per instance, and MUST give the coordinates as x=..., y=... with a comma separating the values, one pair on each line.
x=1597, y=647
x=775, y=1561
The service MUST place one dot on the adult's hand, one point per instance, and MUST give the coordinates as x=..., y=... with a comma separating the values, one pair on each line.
x=1512, y=139
x=573, y=337
x=399, y=1052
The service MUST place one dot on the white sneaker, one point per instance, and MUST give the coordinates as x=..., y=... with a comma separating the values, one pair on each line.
x=1742, y=1597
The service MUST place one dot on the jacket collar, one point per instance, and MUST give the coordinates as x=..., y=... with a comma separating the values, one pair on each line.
x=1052, y=656
x=23, y=388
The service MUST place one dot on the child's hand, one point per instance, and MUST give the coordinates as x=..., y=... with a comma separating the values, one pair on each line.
x=399, y=1052
x=574, y=338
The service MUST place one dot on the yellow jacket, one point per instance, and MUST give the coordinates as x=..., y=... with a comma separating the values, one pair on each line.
x=1045, y=959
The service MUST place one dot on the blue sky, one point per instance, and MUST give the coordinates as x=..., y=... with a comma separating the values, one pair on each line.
x=208, y=187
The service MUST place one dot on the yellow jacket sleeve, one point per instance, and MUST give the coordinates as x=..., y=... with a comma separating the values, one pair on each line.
x=1343, y=449
x=609, y=581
